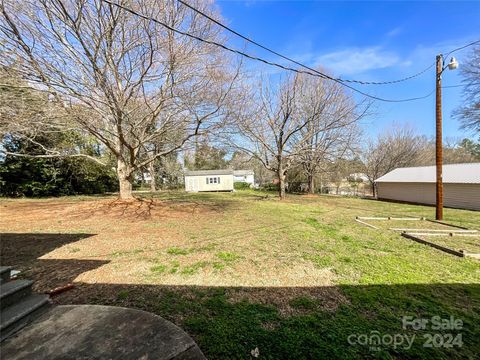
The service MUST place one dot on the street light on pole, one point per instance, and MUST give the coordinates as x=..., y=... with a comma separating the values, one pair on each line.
x=438, y=127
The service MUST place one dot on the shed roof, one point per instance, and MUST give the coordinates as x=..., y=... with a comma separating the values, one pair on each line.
x=452, y=173
x=208, y=172
x=242, y=172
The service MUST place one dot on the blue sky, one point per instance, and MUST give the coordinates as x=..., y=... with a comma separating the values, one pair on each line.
x=375, y=41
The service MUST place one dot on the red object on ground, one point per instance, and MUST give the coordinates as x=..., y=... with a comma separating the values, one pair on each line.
x=60, y=289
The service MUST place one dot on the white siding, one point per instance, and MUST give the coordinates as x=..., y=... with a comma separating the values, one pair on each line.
x=199, y=183
x=244, y=178
x=462, y=196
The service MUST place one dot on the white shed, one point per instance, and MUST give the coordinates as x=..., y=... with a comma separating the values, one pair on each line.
x=461, y=185
x=246, y=176
x=209, y=180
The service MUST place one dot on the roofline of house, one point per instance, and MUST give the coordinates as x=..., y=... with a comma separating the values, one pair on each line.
x=423, y=182
x=208, y=172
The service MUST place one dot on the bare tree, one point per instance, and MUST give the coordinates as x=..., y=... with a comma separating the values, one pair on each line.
x=453, y=152
x=272, y=132
x=30, y=114
x=397, y=147
x=126, y=80
x=243, y=161
x=332, y=129
x=469, y=112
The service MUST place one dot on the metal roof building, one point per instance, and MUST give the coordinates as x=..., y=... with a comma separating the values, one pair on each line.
x=461, y=184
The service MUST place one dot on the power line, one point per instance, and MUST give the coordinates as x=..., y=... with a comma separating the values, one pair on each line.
x=49, y=91
x=296, y=62
x=316, y=73
x=452, y=86
x=459, y=85
x=463, y=47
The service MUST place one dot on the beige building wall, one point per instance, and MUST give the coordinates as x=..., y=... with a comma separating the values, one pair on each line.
x=461, y=196
x=196, y=183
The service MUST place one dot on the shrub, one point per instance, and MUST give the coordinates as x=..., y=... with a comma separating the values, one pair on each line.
x=271, y=187
x=241, y=185
x=37, y=177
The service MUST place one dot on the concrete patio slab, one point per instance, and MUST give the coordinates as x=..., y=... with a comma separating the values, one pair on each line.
x=100, y=332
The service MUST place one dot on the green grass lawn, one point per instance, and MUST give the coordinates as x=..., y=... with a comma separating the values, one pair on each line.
x=296, y=278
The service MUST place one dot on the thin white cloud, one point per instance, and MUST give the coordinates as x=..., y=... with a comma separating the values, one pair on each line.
x=394, y=32
x=249, y=3
x=357, y=60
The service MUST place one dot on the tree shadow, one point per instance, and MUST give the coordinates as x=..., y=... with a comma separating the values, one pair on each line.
x=21, y=248
x=227, y=323
x=24, y=251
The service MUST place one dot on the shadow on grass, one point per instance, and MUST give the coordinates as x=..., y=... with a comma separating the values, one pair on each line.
x=22, y=248
x=24, y=252
x=229, y=326
x=228, y=323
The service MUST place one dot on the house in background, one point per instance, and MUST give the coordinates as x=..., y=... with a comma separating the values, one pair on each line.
x=246, y=176
x=209, y=180
x=461, y=185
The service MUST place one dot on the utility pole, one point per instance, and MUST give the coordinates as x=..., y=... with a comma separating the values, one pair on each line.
x=438, y=142
x=438, y=127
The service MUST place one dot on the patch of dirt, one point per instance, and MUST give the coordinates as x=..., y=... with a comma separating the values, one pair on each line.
x=113, y=209
x=310, y=196
x=148, y=209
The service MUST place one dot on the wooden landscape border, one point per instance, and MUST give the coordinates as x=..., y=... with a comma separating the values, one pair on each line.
x=441, y=231
x=357, y=219
x=436, y=246
x=426, y=233
x=414, y=234
x=361, y=220
x=389, y=218
x=459, y=253
x=461, y=229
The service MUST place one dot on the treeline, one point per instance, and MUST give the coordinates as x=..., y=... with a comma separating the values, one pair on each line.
x=123, y=95
x=52, y=176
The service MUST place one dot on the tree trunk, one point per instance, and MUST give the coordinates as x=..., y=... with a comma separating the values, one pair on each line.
x=151, y=170
x=125, y=180
x=281, y=184
x=311, y=184
x=374, y=190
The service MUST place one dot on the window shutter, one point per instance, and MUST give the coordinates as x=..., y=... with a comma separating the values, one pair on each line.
x=207, y=180
x=219, y=179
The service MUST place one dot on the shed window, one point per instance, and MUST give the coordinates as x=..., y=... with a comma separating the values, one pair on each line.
x=213, y=180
